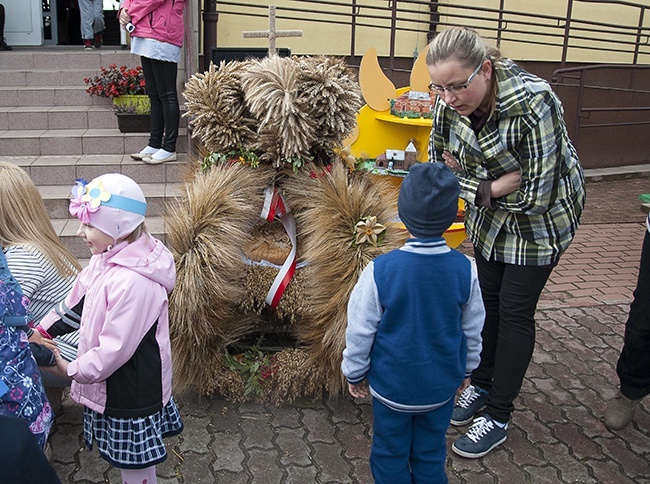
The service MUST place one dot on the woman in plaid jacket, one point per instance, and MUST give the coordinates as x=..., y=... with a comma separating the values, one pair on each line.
x=502, y=129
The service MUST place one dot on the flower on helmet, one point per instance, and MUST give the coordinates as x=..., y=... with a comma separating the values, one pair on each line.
x=86, y=199
x=95, y=194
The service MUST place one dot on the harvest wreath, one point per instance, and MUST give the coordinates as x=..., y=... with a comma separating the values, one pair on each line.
x=273, y=230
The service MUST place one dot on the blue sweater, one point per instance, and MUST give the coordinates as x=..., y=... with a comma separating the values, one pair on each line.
x=414, y=322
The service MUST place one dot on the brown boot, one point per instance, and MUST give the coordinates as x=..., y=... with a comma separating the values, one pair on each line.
x=620, y=411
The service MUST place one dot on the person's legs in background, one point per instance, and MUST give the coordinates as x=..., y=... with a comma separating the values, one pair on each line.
x=87, y=18
x=633, y=366
x=3, y=44
x=98, y=23
x=160, y=78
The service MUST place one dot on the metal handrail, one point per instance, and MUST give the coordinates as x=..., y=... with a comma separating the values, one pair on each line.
x=500, y=24
x=579, y=73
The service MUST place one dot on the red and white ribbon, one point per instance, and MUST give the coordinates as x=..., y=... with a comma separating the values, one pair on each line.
x=274, y=206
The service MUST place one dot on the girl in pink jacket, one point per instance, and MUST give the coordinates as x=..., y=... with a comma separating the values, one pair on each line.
x=122, y=374
x=157, y=32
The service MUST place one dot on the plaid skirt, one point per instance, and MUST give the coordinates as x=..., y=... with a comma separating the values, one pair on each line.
x=132, y=443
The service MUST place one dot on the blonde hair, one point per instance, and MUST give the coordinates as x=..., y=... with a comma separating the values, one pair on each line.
x=24, y=219
x=466, y=46
x=135, y=235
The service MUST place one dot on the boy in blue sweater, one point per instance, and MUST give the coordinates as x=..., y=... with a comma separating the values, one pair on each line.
x=414, y=333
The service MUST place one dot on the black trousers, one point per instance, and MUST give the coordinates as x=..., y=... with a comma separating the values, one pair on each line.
x=160, y=79
x=21, y=459
x=510, y=294
x=633, y=365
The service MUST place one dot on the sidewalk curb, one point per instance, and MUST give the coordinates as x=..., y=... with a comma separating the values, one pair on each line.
x=617, y=173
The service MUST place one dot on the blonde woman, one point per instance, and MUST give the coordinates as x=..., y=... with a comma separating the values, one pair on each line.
x=35, y=255
x=502, y=129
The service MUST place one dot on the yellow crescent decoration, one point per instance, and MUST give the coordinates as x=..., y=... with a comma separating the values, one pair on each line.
x=376, y=88
x=420, y=74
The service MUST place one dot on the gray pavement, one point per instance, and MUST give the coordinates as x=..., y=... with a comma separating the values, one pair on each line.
x=556, y=434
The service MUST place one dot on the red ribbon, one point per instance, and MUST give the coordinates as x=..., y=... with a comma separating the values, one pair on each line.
x=274, y=206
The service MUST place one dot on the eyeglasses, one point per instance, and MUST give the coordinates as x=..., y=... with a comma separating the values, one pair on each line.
x=459, y=87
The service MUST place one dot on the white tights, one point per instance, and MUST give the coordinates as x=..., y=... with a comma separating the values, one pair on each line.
x=139, y=476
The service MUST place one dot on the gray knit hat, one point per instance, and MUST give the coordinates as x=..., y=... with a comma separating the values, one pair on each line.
x=428, y=200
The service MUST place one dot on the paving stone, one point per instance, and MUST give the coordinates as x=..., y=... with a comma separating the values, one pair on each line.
x=285, y=417
x=263, y=466
x=228, y=453
x=320, y=429
x=301, y=475
x=258, y=432
x=354, y=440
x=195, y=434
x=294, y=449
x=331, y=464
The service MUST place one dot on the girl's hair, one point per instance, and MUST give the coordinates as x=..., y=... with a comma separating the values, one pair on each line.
x=462, y=44
x=135, y=235
x=24, y=219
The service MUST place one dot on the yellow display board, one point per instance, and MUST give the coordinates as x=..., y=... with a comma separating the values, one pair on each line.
x=378, y=130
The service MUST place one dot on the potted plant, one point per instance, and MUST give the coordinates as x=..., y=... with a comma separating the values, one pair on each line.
x=133, y=116
x=126, y=87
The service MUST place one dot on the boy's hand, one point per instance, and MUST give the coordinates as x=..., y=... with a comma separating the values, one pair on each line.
x=465, y=384
x=359, y=390
x=61, y=367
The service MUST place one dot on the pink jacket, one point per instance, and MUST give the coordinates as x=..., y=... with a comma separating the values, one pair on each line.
x=123, y=366
x=157, y=19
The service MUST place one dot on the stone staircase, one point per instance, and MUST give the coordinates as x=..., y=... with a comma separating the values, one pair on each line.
x=51, y=127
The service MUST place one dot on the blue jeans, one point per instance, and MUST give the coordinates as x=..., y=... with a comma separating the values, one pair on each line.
x=409, y=447
x=160, y=80
x=633, y=367
x=510, y=294
x=92, y=18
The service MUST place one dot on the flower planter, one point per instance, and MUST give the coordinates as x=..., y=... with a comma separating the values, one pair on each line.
x=133, y=123
x=132, y=104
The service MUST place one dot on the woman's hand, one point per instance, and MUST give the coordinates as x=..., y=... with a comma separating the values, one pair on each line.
x=450, y=160
x=505, y=184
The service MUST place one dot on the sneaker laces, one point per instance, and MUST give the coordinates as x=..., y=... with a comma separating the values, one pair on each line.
x=479, y=429
x=467, y=397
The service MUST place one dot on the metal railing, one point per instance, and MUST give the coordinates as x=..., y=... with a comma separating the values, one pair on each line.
x=628, y=115
x=571, y=32
x=577, y=33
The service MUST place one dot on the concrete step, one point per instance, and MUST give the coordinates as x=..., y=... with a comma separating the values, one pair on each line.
x=39, y=142
x=51, y=171
x=66, y=58
x=62, y=117
x=76, y=95
x=57, y=117
x=46, y=77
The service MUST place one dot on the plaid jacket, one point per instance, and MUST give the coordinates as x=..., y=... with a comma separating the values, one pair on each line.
x=535, y=224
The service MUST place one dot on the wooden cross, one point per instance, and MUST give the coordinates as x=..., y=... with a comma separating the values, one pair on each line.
x=272, y=34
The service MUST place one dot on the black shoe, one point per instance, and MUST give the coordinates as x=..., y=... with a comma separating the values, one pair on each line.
x=5, y=46
x=99, y=39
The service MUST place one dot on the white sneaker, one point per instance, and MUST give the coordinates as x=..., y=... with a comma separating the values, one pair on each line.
x=160, y=156
x=147, y=151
